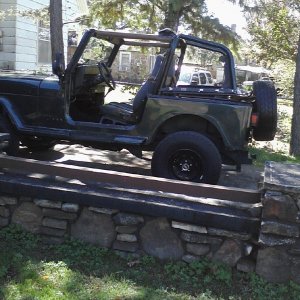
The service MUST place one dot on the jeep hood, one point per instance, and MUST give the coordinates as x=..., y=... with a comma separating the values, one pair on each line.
x=26, y=83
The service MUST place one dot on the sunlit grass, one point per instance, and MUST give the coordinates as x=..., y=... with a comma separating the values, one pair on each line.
x=74, y=270
x=263, y=155
x=278, y=149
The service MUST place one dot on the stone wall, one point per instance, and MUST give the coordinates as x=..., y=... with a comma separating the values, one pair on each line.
x=127, y=233
x=278, y=258
x=274, y=254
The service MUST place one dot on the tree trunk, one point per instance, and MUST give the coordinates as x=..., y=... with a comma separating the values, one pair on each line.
x=56, y=29
x=173, y=14
x=295, y=136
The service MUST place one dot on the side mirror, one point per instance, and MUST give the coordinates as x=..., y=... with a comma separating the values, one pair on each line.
x=58, y=66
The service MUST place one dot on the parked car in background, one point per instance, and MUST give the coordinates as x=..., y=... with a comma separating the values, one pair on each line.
x=194, y=76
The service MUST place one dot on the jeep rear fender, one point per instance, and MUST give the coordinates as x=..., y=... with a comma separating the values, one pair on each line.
x=229, y=119
x=190, y=123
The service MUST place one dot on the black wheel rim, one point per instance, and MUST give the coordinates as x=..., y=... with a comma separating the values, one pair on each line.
x=186, y=164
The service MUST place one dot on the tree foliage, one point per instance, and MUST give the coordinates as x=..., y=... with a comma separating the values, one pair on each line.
x=274, y=28
x=36, y=14
x=152, y=15
x=275, y=31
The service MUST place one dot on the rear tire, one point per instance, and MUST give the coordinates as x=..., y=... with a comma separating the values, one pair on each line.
x=187, y=156
x=38, y=144
x=13, y=145
x=265, y=106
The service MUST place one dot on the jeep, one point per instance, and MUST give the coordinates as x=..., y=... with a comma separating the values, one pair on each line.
x=191, y=129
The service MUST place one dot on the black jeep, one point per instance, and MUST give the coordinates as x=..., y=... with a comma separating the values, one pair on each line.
x=192, y=129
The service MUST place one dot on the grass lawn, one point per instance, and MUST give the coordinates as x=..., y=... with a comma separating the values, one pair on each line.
x=30, y=270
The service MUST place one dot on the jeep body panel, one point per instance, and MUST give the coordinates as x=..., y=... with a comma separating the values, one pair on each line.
x=50, y=116
x=20, y=94
x=217, y=112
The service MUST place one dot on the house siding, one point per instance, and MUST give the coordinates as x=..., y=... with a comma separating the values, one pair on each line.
x=8, y=53
x=20, y=34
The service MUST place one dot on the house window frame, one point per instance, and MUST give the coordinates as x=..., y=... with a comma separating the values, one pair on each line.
x=45, y=39
x=125, y=67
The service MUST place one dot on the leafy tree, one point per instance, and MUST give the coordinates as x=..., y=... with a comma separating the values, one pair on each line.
x=275, y=31
x=152, y=15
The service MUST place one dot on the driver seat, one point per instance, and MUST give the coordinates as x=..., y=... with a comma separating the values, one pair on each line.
x=123, y=112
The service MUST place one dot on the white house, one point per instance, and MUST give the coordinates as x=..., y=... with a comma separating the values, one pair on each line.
x=25, y=43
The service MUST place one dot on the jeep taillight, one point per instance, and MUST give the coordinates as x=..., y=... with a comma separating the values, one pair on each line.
x=254, y=119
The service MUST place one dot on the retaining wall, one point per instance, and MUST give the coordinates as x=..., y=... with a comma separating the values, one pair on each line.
x=278, y=258
x=127, y=233
x=274, y=252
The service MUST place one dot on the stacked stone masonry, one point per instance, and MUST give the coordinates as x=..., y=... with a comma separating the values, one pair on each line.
x=278, y=257
x=274, y=254
x=127, y=234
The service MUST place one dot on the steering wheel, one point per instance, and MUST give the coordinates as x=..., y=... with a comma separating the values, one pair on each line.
x=106, y=75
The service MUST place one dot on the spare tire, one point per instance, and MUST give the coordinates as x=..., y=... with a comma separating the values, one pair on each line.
x=265, y=105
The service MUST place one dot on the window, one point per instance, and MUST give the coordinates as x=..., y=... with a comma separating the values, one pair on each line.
x=151, y=62
x=72, y=38
x=44, y=46
x=195, y=79
x=125, y=61
x=206, y=63
x=208, y=75
x=202, y=78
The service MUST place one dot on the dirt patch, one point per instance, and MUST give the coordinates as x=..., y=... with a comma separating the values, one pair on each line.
x=250, y=177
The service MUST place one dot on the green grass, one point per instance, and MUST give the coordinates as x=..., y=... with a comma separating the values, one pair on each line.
x=278, y=149
x=265, y=154
x=30, y=270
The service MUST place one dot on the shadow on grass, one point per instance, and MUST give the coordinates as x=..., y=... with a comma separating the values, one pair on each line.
x=74, y=270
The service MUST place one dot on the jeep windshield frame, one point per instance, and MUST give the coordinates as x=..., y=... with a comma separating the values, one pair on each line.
x=117, y=39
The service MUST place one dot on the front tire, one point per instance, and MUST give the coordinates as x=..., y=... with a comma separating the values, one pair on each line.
x=187, y=156
x=13, y=144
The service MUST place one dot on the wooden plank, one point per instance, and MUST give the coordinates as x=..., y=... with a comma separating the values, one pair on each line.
x=206, y=215
x=4, y=137
x=130, y=180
